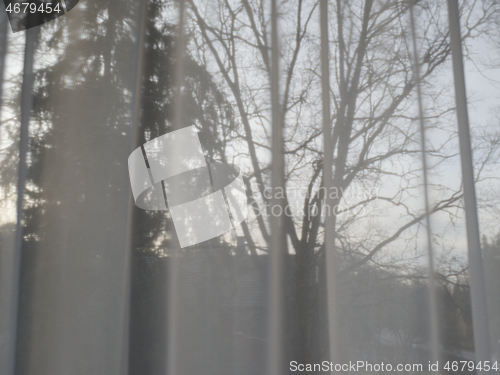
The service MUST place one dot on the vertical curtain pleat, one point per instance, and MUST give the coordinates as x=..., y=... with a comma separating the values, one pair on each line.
x=476, y=273
x=26, y=107
x=174, y=301
x=328, y=181
x=6, y=246
x=277, y=249
x=134, y=137
x=433, y=324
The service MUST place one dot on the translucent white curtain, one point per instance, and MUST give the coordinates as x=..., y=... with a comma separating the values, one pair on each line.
x=359, y=241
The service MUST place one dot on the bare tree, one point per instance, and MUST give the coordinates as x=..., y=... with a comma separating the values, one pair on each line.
x=376, y=166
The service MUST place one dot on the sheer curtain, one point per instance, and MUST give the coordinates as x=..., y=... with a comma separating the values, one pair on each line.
x=366, y=187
